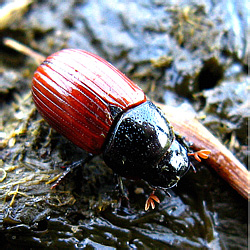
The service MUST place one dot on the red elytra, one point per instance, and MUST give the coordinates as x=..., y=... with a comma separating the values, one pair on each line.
x=75, y=90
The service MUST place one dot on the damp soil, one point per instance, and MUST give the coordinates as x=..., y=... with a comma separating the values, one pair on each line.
x=191, y=53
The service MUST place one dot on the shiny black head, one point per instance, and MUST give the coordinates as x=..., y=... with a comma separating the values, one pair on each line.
x=142, y=145
x=172, y=167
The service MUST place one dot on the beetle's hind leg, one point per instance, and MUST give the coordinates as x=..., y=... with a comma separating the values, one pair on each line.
x=69, y=169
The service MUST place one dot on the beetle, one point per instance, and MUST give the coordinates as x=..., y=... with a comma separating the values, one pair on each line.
x=100, y=110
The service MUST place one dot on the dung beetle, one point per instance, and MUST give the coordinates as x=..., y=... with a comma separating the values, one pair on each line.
x=100, y=110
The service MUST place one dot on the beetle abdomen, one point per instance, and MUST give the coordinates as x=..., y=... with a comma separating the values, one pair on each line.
x=77, y=92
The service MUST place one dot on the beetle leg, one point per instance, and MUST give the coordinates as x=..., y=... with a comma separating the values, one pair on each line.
x=123, y=193
x=150, y=201
x=166, y=192
x=200, y=154
x=121, y=186
x=193, y=167
x=71, y=168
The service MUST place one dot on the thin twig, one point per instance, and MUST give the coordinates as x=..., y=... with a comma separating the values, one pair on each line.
x=39, y=58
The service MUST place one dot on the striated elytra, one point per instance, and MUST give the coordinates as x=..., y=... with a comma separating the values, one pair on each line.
x=99, y=109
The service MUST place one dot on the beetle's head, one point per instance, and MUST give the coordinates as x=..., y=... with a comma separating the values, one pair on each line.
x=172, y=166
